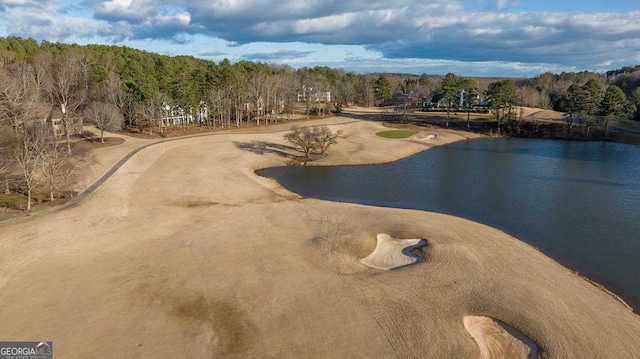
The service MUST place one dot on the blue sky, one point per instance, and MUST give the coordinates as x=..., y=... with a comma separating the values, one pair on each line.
x=466, y=37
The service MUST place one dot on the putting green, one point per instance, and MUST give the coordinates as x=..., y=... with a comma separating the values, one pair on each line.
x=397, y=133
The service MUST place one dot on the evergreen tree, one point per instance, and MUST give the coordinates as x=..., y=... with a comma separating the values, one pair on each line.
x=614, y=106
x=450, y=92
x=502, y=95
x=382, y=88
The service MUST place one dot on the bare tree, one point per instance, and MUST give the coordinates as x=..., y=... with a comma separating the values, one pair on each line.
x=110, y=89
x=302, y=138
x=325, y=138
x=19, y=95
x=28, y=161
x=258, y=85
x=215, y=99
x=366, y=90
x=312, y=140
x=68, y=86
x=150, y=112
x=271, y=107
x=346, y=90
x=42, y=62
x=24, y=128
x=286, y=84
x=238, y=90
x=105, y=116
x=8, y=140
x=56, y=167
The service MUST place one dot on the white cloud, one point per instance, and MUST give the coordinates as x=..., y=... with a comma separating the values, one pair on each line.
x=329, y=24
x=125, y=10
x=52, y=24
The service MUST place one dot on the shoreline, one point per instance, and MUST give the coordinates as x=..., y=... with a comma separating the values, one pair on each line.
x=231, y=264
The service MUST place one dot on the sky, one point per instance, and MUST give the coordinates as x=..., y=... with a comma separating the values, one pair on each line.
x=514, y=38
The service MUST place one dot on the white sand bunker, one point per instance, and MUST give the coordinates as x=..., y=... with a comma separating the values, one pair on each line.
x=425, y=137
x=498, y=340
x=393, y=253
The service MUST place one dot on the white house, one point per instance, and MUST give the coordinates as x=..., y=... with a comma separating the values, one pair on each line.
x=308, y=93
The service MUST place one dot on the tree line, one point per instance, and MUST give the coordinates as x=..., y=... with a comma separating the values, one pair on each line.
x=590, y=104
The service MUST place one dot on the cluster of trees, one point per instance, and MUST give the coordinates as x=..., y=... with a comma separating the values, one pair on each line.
x=502, y=95
x=449, y=92
x=30, y=160
x=551, y=91
x=593, y=103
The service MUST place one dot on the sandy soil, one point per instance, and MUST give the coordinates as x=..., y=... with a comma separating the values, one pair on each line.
x=185, y=252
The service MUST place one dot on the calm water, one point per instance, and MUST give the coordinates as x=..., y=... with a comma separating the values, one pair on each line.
x=578, y=202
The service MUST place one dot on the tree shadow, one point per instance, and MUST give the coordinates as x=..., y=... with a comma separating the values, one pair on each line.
x=264, y=147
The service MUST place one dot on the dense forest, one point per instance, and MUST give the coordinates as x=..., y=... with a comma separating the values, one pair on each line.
x=49, y=90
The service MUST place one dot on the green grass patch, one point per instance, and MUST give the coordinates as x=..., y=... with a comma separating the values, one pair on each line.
x=18, y=201
x=397, y=133
x=13, y=202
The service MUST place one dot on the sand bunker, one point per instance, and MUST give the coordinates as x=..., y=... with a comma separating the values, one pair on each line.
x=426, y=137
x=498, y=340
x=393, y=253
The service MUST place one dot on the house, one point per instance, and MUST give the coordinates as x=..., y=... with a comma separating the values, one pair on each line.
x=45, y=119
x=478, y=100
x=175, y=116
x=255, y=108
x=311, y=95
x=54, y=121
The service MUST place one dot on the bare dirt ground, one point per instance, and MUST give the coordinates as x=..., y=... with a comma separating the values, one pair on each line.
x=185, y=252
